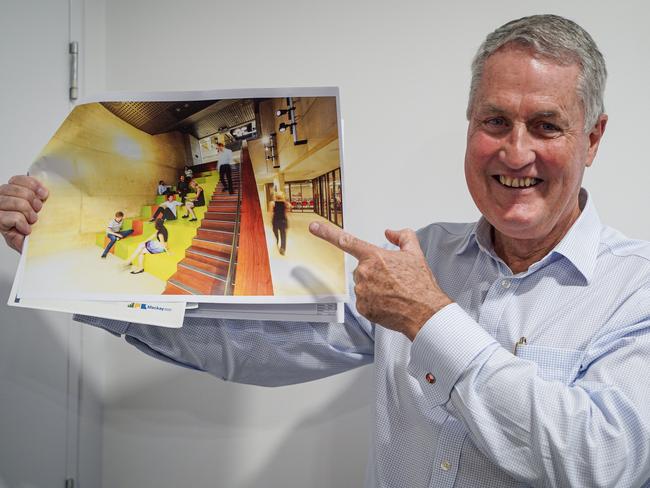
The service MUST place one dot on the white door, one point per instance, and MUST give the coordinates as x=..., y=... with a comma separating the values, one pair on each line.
x=37, y=411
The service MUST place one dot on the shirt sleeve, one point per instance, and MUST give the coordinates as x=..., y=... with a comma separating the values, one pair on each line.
x=254, y=352
x=554, y=417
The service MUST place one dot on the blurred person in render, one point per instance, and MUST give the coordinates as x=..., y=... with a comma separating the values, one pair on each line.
x=224, y=166
x=114, y=232
x=280, y=220
x=509, y=352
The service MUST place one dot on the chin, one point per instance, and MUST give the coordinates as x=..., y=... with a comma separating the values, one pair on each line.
x=521, y=227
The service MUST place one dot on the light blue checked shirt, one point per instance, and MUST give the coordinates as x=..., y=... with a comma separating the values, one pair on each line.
x=456, y=407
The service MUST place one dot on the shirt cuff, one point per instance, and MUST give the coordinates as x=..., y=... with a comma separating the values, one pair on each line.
x=115, y=327
x=443, y=349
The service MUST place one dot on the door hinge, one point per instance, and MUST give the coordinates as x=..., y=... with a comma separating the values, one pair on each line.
x=74, y=72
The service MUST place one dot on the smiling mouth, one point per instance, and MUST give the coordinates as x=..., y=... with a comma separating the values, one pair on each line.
x=510, y=182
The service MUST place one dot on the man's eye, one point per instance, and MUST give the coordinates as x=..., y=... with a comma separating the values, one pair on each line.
x=495, y=123
x=548, y=127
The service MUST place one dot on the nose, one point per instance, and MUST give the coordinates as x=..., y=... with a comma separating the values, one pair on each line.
x=517, y=150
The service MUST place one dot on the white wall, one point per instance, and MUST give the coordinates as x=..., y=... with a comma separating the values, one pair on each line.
x=37, y=349
x=403, y=69
x=92, y=35
x=195, y=147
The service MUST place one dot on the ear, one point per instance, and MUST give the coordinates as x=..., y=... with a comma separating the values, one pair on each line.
x=595, y=136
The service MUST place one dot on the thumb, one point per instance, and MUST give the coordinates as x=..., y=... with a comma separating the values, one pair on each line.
x=15, y=240
x=406, y=239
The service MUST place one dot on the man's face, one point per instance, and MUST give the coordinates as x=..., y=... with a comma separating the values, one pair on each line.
x=526, y=146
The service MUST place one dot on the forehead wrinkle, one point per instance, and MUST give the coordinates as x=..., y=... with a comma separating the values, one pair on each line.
x=533, y=74
x=489, y=108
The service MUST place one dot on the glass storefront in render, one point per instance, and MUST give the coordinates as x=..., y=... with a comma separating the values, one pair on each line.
x=321, y=195
x=301, y=196
x=328, y=198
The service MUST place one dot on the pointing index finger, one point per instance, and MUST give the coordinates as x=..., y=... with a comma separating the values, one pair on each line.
x=341, y=239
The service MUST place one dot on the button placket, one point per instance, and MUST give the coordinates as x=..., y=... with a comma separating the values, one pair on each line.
x=495, y=301
x=450, y=442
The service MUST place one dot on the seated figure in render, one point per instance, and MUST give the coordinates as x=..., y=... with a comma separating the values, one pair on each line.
x=167, y=209
x=156, y=244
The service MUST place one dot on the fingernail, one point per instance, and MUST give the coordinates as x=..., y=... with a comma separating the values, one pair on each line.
x=42, y=193
x=313, y=227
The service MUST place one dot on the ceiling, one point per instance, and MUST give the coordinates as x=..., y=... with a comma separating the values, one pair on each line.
x=326, y=159
x=199, y=118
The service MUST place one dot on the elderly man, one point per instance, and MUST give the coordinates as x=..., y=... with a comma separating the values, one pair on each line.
x=509, y=352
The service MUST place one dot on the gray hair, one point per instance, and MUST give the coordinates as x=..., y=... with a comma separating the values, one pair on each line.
x=558, y=39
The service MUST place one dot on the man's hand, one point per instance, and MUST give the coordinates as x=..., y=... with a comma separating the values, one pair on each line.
x=395, y=289
x=20, y=201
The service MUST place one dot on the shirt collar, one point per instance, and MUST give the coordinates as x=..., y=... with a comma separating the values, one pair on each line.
x=579, y=246
x=480, y=234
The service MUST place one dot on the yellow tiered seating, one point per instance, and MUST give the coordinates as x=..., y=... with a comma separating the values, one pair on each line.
x=181, y=233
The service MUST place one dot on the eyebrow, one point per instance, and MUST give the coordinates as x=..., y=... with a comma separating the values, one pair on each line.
x=496, y=109
x=547, y=114
x=491, y=109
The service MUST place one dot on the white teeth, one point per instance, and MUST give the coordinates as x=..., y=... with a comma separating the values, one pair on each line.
x=518, y=182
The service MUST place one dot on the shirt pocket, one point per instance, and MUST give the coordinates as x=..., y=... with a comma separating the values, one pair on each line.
x=553, y=364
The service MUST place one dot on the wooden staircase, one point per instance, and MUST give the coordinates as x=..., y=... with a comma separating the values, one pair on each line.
x=209, y=264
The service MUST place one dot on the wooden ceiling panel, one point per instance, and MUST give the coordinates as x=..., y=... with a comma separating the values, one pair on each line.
x=199, y=118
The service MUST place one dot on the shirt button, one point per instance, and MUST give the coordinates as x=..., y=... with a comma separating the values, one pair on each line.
x=505, y=283
x=445, y=465
x=430, y=378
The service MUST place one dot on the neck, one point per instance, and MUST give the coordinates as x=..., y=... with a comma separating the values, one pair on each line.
x=520, y=254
